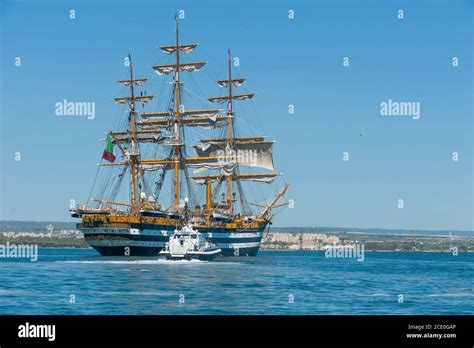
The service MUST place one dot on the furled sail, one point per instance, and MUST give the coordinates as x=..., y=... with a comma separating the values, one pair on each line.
x=141, y=99
x=168, y=68
x=136, y=82
x=197, y=167
x=182, y=48
x=207, y=113
x=153, y=131
x=196, y=163
x=222, y=165
x=144, y=139
x=235, y=82
x=153, y=167
x=262, y=180
x=251, y=154
x=267, y=178
x=235, y=139
x=210, y=122
x=223, y=99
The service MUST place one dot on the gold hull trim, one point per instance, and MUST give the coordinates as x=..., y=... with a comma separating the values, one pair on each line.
x=124, y=220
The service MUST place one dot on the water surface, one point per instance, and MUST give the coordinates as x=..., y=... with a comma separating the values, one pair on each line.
x=272, y=283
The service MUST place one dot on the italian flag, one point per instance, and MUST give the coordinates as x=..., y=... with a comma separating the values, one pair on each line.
x=108, y=154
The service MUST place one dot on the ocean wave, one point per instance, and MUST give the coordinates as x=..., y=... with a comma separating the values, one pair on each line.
x=145, y=262
x=128, y=262
x=460, y=293
x=136, y=293
x=14, y=292
x=378, y=294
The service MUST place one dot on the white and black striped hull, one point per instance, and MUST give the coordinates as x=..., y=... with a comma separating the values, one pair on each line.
x=149, y=240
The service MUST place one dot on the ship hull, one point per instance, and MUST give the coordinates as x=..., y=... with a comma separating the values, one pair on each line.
x=149, y=240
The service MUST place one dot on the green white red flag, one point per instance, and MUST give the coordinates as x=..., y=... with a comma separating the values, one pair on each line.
x=108, y=154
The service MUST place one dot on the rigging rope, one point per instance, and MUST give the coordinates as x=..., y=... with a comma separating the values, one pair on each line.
x=116, y=188
x=244, y=205
x=95, y=179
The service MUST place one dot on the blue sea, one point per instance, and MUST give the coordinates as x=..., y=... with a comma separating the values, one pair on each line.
x=79, y=281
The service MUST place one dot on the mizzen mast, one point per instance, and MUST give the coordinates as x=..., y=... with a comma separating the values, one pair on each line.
x=230, y=83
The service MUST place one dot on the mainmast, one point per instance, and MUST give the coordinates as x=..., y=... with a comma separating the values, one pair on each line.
x=178, y=118
x=177, y=124
x=230, y=136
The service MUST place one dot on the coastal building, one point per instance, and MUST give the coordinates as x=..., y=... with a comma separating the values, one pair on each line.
x=302, y=241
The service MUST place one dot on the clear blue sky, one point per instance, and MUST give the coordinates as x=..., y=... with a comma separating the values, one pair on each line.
x=295, y=61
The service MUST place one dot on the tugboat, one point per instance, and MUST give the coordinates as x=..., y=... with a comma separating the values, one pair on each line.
x=188, y=244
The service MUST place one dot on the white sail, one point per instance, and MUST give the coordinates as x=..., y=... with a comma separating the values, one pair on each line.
x=235, y=82
x=223, y=166
x=243, y=96
x=206, y=122
x=166, y=69
x=136, y=82
x=143, y=139
x=223, y=141
x=151, y=167
x=262, y=179
x=170, y=113
x=141, y=99
x=182, y=48
x=223, y=99
x=211, y=122
x=250, y=154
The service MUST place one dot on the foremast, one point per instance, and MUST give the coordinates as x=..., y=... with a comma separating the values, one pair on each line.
x=132, y=152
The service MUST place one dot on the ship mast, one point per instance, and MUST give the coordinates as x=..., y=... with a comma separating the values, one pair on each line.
x=177, y=125
x=246, y=151
x=133, y=151
x=176, y=118
x=231, y=143
x=230, y=136
x=131, y=154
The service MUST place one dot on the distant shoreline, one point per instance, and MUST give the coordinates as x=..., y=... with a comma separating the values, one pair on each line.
x=374, y=251
x=289, y=250
x=29, y=225
x=283, y=241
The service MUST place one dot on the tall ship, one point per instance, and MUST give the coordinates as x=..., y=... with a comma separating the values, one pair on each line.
x=175, y=173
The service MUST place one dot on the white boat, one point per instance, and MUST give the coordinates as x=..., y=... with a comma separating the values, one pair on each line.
x=189, y=244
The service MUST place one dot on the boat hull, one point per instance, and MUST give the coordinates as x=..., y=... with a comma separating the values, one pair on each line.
x=149, y=240
x=201, y=256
